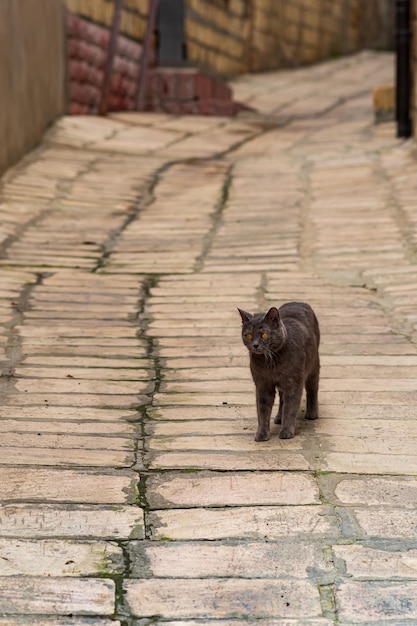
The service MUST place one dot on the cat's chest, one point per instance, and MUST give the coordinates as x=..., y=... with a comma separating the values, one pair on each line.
x=278, y=375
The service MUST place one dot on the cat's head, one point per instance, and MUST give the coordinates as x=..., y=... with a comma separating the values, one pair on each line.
x=263, y=333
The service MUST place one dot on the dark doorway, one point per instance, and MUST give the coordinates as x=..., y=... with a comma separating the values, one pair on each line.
x=171, y=35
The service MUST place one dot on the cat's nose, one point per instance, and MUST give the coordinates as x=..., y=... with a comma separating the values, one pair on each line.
x=255, y=345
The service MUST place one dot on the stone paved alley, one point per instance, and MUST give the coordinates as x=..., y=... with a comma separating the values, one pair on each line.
x=132, y=490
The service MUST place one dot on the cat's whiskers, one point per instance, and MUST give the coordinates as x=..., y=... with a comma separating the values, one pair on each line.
x=270, y=355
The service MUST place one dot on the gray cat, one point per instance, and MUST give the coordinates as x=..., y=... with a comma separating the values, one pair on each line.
x=284, y=354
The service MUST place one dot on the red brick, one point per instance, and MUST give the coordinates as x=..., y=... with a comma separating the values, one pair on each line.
x=166, y=84
x=173, y=107
x=119, y=103
x=190, y=107
x=204, y=85
x=116, y=83
x=222, y=91
x=130, y=87
x=75, y=108
x=73, y=25
x=77, y=70
x=84, y=93
x=187, y=85
x=95, y=76
x=97, y=34
x=73, y=48
x=207, y=106
x=132, y=49
x=122, y=47
x=92, y=54
x=132, y=69
x=225, y=107
x=120, y=64
x=104, y=38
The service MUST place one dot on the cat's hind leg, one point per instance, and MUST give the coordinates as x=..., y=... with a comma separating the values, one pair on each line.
x=278, y=417
x=312, y=390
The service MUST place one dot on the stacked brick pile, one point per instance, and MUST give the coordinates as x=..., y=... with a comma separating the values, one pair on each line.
x=87, y=52
x=171, y=90
x=188, y=90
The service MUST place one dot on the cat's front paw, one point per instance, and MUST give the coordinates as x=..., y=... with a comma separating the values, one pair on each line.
x=261, y=435
x=286, y=433
x=277, y=419
x=311, y=415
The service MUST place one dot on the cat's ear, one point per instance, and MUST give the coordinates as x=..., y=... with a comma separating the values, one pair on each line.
x=245, y=316
x=272, y=316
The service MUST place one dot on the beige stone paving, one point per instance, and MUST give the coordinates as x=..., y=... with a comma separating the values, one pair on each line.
x=132, y=489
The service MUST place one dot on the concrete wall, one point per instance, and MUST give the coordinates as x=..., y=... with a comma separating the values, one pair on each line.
x=32, y=67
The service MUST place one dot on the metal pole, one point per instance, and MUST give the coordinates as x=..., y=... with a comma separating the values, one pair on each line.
x=144, y=62
x=403, y=68
x=104, y=102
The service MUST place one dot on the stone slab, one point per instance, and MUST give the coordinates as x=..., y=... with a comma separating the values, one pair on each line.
x=232, y=443
x=232, y=460
x=220, y=598
x=59, y=521
x=199, y=489
x=94, y=416
x=214, y=559
x=52, y=485
x=74, y=386
x=268, y=522
x=365, y=563
x=66, y=457
x=33, y=595
x=367, y=602
x=349, y=462
x=63, y=441
x=373, y=491
x=59, y=621
x=224, y=622
x=27, y=557
x=388, y=523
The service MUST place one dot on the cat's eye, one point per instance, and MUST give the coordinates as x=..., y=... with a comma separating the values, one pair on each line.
x=248, y=336
x=265, y=335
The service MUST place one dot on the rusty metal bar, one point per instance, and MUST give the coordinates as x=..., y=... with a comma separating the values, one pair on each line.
x=144, y=62
x=105, y=91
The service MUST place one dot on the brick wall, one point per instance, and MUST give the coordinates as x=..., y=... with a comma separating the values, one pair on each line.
x=133, y=19
x=232, y=36
x=32, y=66
x=87, y=53
x=226, y=37
x=218, y=33
x=170, y=90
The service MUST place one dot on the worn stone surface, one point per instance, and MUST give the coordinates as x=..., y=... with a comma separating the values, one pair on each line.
x=127, y=414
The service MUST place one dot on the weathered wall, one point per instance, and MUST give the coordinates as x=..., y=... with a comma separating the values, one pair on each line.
x=218, y=34
x=32, y=66
x=232, y=36
x=414, y=67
